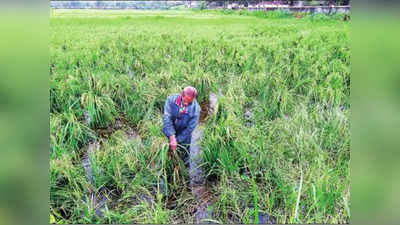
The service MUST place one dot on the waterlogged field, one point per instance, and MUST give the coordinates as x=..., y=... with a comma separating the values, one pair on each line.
x=278, y=144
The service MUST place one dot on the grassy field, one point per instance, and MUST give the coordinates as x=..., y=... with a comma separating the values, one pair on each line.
x=111, y=71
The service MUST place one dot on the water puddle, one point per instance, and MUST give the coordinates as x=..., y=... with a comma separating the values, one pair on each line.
x=201, y=193
x=100, y=205
x=204, y=198
x=264, y=218
x=98, y=200
x=195, y=160
x=248, y=117
x=92, y=147
x=213, y=100
x=148, y=199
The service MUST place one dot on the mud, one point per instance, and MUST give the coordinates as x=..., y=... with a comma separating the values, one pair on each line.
x=204, y=111
x=132, y=134
x=204, y=198
x=100, y=205
x=203, y=213
x=119, y=124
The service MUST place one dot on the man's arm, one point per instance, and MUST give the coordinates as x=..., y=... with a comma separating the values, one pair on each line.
x=168, y=128
x=191, y=126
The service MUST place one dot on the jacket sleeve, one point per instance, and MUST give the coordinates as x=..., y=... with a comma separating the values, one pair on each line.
x=168, y=128
x=194, y=120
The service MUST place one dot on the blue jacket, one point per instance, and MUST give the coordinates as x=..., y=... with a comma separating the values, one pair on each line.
x=180, y=124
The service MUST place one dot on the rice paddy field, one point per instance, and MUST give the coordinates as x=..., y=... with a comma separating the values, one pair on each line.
x=278, y=143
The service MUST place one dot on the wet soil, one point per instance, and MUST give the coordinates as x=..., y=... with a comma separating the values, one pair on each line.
x=204, y=111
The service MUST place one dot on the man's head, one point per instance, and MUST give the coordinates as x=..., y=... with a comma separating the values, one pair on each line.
x=189, y=93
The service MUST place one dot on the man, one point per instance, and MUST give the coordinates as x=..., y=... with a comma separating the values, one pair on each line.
x=181, y=116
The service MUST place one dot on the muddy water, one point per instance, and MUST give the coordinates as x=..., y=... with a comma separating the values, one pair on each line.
x=213, y=100
x=197, y=181
x=97, y=201
x=195, y=160
x=93, y=146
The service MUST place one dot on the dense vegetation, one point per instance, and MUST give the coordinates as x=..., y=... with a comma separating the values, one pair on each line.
x=111, y=71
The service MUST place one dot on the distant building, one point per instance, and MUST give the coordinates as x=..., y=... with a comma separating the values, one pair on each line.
x=258, y=4
x=268, y=4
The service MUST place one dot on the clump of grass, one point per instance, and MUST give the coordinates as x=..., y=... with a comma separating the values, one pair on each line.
x=100, y=109
x=68, y=134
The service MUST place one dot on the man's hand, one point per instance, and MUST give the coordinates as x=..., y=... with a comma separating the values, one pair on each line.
x=172, y=143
